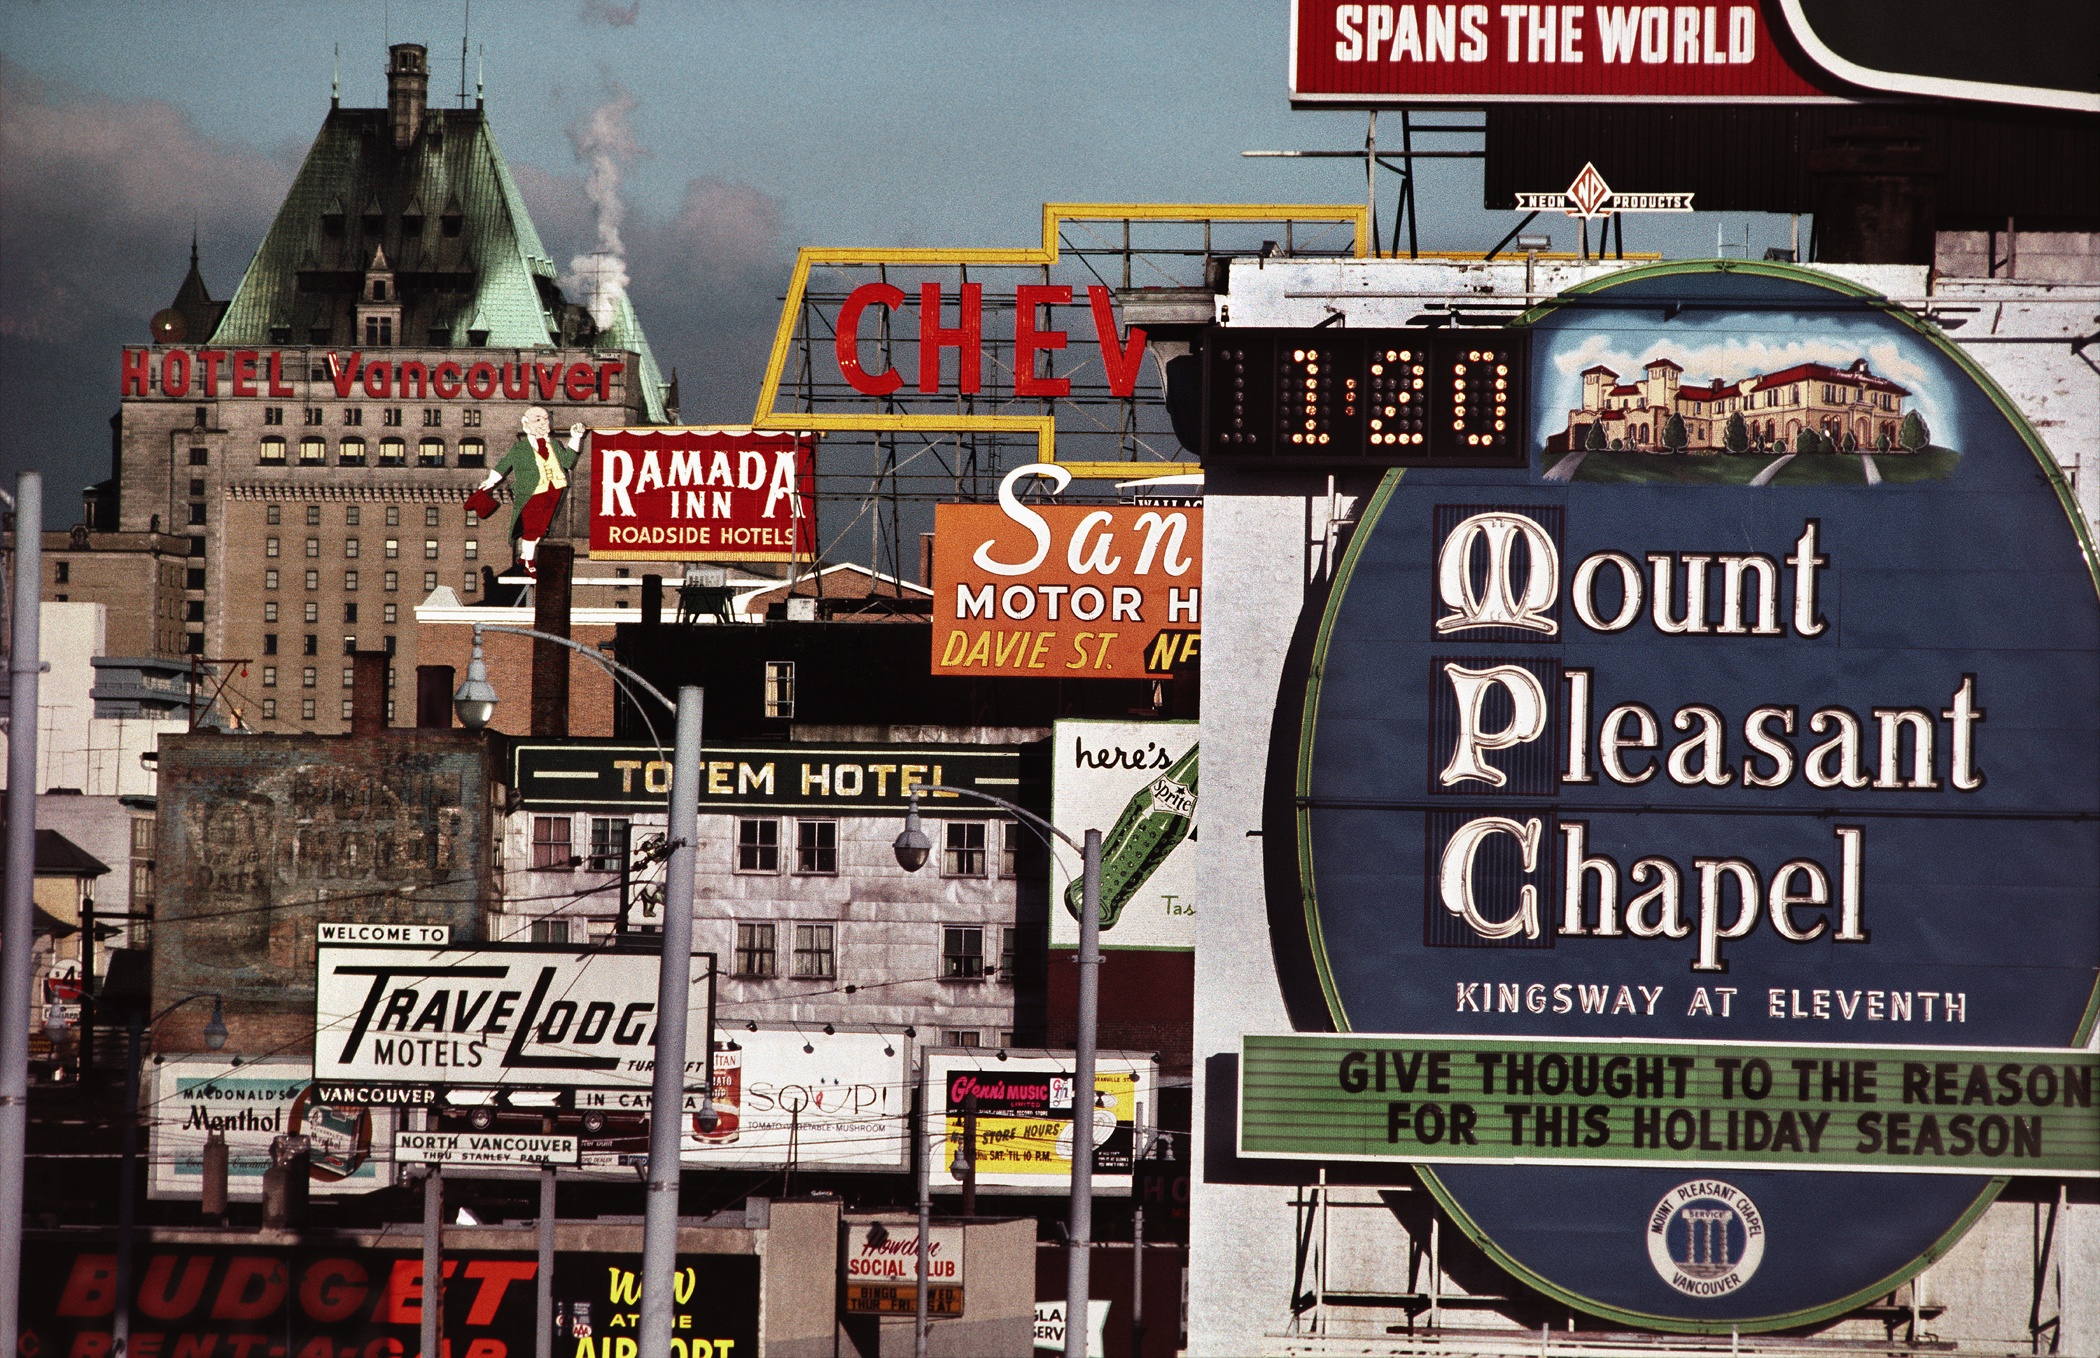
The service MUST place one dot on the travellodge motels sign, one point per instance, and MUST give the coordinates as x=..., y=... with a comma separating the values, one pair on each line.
x=1699, y=838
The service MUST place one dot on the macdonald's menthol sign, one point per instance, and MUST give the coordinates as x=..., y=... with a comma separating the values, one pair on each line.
x=1742, y=750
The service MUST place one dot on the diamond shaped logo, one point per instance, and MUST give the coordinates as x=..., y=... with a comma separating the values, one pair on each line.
x=1589, y=193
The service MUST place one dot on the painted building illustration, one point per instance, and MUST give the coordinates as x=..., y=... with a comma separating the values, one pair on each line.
x=1776, y=407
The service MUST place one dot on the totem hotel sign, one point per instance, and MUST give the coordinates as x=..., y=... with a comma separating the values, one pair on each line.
x=1696, y=824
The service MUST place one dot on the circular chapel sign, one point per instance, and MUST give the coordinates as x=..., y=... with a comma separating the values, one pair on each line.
x=1762, y=707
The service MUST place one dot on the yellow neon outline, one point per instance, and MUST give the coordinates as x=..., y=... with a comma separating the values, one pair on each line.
x=1044, y=426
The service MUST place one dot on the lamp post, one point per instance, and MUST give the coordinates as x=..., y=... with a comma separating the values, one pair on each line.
x=127, y=1181
x=475, y=705
x=913, y=848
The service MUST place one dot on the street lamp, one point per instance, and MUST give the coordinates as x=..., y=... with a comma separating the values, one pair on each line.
x=912, y=848
x=475, y=704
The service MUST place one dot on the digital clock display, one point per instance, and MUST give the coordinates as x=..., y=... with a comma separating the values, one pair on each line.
x=1365, y=397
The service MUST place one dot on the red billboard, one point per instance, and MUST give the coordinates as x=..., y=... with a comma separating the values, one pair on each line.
x=693, y=494
x=1348, y=52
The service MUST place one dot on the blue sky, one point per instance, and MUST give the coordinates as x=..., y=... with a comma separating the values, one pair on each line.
x=754, y=128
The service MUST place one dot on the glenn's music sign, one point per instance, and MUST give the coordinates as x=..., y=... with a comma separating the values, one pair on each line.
x=702, y=494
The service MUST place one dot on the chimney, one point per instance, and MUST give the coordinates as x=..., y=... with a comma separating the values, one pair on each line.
x=407, y=87
x=368, y=671
x=434, y=697
x=550, y=662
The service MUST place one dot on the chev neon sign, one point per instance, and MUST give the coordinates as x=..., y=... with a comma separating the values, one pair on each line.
x=859, y=319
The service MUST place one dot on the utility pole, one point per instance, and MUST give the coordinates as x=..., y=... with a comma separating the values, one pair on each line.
x=17, y=901
x=922, y=1141
x=673, y=982
x=1078, y=1278
x=433, y=1246
x=543, y=1298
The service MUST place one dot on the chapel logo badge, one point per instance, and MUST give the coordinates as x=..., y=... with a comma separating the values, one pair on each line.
x=1706, y=1238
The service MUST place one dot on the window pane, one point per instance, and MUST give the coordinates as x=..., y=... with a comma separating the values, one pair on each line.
x=962, y=953
x=758, y=846
x=608, y=844
x=754, y=950
x=1009, y=848
x=1007, y=939
x=550, y=842
x=813, y=951
x=959, y=1037
x=964, y=856
x=817, y=846
x=550, y=931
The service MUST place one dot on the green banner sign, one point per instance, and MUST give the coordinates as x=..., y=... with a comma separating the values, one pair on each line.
x=1929, y=1110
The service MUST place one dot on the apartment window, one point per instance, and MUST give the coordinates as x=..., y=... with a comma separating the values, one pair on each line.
x=473, y=549
x=552, y=931
x=963, y=854
x=350, y=613
x=1007, y=938
x=200, y=457
x=273, y=414
x=62, y=573
x=550, y=843
x=473, y=453
x=758, y=846
x=270, y=644
x=270, y=676
x=469, y=583
x=392, y=613
x=960, y=1037
x=313, y=612
x=313, y=579
x=270, y=611
x=393, y=453
x=273, y=514
x=393, y=515
x=430, y=581
x=471, y=418
x=350, y=580
x=473, y=519
x=962, y=953
x=313, y=516
x=817, y=846
x=393, y=548
x=196, y=514
x=391, y=416
x=353, y=415
x=430, y=549
x=309, y=677
x=433, y=416
x=273, y=450
x=430, y=453
x=780, y=688
x=754, y=950
x=314, y=414
x=393, y=580
x=269, y=709
x=313, y=546
x=193, y=611
x=350, y=547
x=349, y=709
x=815, y=959
x=269, y=579
x=313, y=452
x=1009, y=849
x=350, y=453
x=430, y=516
x=609, y=838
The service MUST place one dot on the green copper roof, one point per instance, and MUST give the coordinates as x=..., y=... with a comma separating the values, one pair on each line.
x=462, y=250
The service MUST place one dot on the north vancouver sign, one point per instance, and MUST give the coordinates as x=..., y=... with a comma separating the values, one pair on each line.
x=1755, y=719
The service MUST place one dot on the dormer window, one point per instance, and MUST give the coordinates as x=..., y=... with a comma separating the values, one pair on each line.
x=379, y=330
x=379, y=289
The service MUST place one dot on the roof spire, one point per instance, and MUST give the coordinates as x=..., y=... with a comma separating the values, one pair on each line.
x=335, y=86
x=193, y=242
x=480, y=54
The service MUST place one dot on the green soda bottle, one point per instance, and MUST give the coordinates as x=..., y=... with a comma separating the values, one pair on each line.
x=1153, y=824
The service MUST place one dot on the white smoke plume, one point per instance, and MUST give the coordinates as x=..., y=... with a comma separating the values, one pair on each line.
x=605, y=144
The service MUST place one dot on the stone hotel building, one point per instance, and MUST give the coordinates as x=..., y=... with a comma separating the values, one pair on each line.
x=311, y=443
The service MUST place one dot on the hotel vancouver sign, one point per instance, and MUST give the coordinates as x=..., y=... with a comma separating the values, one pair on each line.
x=1698, y=829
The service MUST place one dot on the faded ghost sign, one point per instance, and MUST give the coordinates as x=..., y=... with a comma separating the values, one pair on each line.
x=263, y=837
